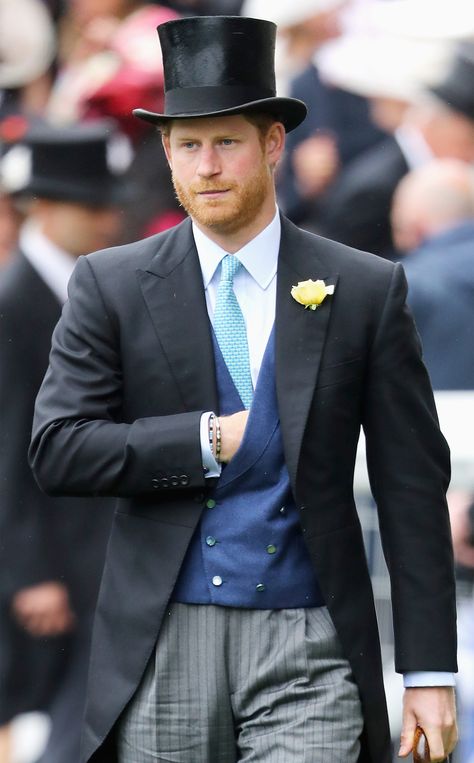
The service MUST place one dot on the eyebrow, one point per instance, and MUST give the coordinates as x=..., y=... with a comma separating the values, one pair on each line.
x=224, y=136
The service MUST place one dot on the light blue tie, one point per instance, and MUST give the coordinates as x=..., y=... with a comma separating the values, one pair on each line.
x=230, y=330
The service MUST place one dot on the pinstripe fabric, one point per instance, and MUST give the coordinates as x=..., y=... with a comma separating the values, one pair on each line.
x=254, y=686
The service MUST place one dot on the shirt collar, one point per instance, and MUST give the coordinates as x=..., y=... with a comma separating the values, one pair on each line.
x=413, y=146
x=259, y=257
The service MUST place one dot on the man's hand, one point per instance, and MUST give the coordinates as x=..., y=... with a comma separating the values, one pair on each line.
x=44, y=610
x=434, y=709
x=315, y=164
x=232, y=432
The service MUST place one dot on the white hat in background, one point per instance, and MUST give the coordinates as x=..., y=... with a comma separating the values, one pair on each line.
x=27, y=41
x=383, y=65
x=444, y=19
x=287, y=13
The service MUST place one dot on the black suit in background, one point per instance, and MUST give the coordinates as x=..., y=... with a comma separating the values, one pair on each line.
x=356, y=209
x=43, y=539
x=132, y=369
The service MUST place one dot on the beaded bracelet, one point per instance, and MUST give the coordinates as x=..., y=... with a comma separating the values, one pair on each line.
x=218, y=438
x=211, y=432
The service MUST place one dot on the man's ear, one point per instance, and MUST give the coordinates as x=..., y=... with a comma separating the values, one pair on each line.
x=275, y=142
x=165, y=141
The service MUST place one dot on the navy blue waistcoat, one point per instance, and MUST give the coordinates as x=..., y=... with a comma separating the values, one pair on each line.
x=248, y=549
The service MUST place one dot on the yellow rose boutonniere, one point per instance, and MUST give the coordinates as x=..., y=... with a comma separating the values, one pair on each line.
x=311, y=293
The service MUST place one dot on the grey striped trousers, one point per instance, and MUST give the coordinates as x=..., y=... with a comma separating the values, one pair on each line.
x=227, y=685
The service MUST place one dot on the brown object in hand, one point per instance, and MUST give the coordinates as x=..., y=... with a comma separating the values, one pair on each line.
x=421, y=748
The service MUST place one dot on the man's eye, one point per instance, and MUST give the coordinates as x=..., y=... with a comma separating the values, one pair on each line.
x=227, y=142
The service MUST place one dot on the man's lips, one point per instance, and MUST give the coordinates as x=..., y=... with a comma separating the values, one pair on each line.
x=213, y=193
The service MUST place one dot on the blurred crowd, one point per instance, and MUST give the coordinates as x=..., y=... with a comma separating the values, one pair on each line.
x=384, y=162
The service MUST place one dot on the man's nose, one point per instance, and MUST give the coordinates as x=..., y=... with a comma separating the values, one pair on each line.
x=209, y=164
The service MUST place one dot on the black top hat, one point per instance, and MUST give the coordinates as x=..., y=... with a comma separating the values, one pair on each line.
x=219, y=65
x=72, y=164
x=457, y=89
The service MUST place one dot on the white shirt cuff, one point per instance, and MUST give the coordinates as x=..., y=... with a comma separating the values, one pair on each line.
x=428, y=678
x=209, y=464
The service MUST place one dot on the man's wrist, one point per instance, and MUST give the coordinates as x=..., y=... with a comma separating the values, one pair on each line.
x=209, y=464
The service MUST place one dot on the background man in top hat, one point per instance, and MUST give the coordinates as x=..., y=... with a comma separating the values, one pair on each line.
x=237, y=532
x=52, y=549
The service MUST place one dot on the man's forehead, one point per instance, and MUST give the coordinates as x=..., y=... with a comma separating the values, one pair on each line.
x=209, y=124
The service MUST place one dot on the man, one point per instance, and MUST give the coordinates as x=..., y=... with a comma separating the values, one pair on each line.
x=236, y=549
x=433, y=224
x=356, y=210
x=52, y=549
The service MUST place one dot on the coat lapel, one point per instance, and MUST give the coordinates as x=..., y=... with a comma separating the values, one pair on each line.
x=174, y=295
x=300, y=337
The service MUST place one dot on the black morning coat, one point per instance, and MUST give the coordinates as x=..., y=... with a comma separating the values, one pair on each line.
x=132, y=370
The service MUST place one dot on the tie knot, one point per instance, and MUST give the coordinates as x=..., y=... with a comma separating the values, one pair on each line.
x=229, y=267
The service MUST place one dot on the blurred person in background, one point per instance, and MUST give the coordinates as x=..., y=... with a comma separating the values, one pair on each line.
x=338, y=126
x=356, y=209
x=27, y=52
x=52, y=549
x=433, y=224
x=113, y=64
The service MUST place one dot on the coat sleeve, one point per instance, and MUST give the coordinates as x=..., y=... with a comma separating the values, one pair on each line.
x=80, y=444
x=409, y=471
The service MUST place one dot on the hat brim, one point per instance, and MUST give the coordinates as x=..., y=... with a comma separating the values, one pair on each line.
x=110, y=193
x=290, y=111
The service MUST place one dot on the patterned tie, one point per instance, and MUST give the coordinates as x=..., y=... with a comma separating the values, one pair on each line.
x=230, y=331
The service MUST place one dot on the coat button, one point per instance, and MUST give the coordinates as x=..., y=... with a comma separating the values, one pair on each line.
x=184, y=480
x=271, y=549
x=174, y=481
x=164, y=482
x=210, y=541
x=217, y=580
x=155, y=483
x=210, y=503
x=260, y=587
x=283, y=510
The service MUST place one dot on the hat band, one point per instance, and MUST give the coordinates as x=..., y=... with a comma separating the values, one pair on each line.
x=199, y=100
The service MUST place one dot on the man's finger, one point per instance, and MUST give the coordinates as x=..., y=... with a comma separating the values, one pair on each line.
x=407, y=736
